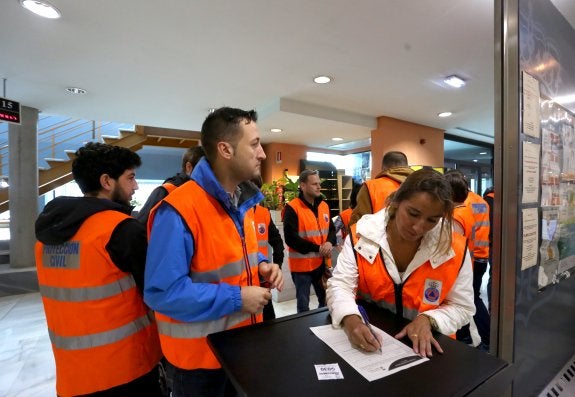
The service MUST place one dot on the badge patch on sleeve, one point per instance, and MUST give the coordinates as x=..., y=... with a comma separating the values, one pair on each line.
x=261, y=228
x=432, y=292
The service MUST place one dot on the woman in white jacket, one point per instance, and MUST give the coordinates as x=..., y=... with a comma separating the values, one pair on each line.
x=409, y=247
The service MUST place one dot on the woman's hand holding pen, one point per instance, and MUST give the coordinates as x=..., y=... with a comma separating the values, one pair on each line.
x=272, y=273
x=419, y=331
x=359, y=334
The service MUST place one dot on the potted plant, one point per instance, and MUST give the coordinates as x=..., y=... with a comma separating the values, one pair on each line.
x=279, y=192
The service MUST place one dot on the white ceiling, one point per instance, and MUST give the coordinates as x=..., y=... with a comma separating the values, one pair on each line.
x=165, y=63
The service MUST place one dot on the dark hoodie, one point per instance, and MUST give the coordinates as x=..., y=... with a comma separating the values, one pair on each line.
x=63, y=216
x=158, y=194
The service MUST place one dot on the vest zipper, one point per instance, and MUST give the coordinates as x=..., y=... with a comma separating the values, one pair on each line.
x=248, y=271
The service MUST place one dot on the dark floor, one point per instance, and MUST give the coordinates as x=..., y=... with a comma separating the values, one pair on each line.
x=18, y=282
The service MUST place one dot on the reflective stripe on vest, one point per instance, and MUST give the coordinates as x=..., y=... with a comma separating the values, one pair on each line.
x=313, y=233
x=228, y=270
x=88, y=293
x=199, y=329
x=100, y=338
x=294, y=254
x=310, y=228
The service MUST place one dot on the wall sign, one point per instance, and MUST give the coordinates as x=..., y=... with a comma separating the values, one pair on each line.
x=9, y=111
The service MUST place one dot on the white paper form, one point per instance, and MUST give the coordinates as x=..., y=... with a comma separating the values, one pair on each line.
x=372, y=366
x=531, y=108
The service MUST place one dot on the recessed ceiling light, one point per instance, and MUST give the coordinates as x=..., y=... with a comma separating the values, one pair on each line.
x=483, y=153
x=276, y=130
x=454, y=81
x=211, y=110
x=41, y=8
x=337, y=139
x=444, y=114
x=76, y=90
x=322, y=79
x=475, y=160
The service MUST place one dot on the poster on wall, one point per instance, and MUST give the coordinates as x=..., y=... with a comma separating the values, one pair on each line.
x=531, y=108
x=530, y=173
x=530, y=234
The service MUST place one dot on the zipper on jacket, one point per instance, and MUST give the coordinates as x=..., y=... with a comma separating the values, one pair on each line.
x=248, y=271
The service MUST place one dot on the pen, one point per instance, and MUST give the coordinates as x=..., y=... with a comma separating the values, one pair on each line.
x=366, y=321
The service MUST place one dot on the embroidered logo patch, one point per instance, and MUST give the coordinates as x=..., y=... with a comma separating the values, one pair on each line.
x=432, y=292
x=261, y=228
x=325, y=218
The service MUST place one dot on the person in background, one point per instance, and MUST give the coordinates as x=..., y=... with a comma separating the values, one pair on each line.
x=203, y=265
x=310, y=236
x=480, y=254
x=189, y=161
x=405, y=259
x=373, y=194
x=463, y=222
x=90, y=258
x=267, y=235
x=341, y=221
x=489, y=196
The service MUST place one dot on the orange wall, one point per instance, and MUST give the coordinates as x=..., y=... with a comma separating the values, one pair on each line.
x=290, y=157
x=421, y=144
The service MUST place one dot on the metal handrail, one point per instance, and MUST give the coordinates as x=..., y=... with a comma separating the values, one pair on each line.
x=57, y=136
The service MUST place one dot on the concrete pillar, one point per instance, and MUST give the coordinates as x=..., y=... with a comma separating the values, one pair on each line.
x=23, y=190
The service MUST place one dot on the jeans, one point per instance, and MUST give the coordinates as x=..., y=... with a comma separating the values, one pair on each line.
x=202, y=383
x=303, y=281
x=145, y=385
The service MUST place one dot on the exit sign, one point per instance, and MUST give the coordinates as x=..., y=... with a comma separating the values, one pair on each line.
x=9, y=111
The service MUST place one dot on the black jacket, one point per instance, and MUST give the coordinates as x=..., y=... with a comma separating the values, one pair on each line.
x=158, y=194
x=63, y=216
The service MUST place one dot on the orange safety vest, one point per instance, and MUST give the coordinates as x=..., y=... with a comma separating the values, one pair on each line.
x=379, y=189
x=312, y=229
x=345, y=216
x=462, y=215
x=424, y=289
x=102, y=333
x=170, y=187
x=262, y=219
x=221, y=255
x=480, y=233
x=490, y=194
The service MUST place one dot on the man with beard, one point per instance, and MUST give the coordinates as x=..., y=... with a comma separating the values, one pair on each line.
x=203, y=264
x=90, y=258
x=310, y=237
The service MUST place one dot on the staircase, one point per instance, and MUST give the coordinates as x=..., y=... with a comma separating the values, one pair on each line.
x=59, y=171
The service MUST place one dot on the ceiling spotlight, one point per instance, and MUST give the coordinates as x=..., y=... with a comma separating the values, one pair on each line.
x=454, y=81
x=475, y=160
x=41, y=8
x=483, y=153
x=76, y=90
x=211, y=110
x=276, y=130
x=322, y=79
x=337, y=139
x=444, y=114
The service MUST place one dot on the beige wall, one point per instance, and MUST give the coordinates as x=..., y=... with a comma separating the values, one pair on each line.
x=421, y=144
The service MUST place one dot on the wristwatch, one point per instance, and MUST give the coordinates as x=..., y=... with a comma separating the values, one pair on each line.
x=432, y=321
